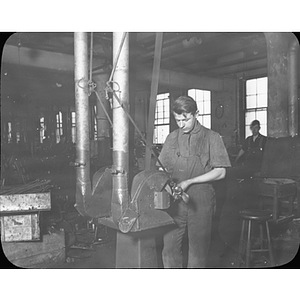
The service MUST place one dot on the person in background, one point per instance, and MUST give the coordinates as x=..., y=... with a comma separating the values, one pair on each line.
x=252, y=150
x=195, y=157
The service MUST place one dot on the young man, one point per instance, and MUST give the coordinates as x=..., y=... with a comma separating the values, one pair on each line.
x=253, y=149
x=195, y=156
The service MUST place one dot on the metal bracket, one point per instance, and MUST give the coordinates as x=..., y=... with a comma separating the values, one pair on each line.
x=127, y=220
x=77, y=164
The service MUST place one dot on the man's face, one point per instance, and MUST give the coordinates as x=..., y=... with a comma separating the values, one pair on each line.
x=255, y=129
x=186, y=121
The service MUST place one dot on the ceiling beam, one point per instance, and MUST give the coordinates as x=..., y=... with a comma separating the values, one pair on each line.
x=41, y=59
x=181, y=80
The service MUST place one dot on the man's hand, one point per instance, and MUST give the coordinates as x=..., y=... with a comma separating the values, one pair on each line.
x=184, y=184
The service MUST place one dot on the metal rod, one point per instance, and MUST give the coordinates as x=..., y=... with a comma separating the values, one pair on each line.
x=153, y=96
x=104, y=109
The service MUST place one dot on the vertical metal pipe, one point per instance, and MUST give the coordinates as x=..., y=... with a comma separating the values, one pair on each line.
x=120, y=127
x=293, y=87
x=83, y=184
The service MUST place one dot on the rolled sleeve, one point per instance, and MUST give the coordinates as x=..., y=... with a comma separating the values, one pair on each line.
x=218, y=153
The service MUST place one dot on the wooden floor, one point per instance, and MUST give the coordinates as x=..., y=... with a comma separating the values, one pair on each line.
x=224, y=243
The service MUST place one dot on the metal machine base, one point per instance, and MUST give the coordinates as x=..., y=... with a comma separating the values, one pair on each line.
x=136, y=250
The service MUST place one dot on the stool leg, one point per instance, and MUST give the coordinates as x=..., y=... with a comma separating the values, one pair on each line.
x=248, y=247
x=241, y=246
x=261, y=236
x=269, y=245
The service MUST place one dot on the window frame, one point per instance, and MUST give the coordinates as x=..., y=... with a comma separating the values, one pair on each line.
x=256, y=108
x=166, y=116
x=201, y=102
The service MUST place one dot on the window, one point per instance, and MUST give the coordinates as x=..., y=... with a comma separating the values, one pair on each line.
x=256, y=104
x=95, y=123
x=73, y=122
x=42, y=129
x=203, y=100
x=59, y=129
x=162, y=119
x=18, y=134
x=9, y=138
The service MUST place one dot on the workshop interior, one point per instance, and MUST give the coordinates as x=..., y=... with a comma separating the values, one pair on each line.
x=84, y=117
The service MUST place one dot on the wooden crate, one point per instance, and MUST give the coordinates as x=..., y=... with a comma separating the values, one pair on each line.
x=22, y=227
x=48, y=252
x=25, y=202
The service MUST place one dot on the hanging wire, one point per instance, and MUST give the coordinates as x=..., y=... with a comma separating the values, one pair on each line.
x=104, y=109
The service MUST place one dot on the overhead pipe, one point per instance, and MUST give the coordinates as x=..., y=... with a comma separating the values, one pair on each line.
x=82, y=164
x=293, y=87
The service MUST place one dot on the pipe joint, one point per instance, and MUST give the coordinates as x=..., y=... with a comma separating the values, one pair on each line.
x=116, y=171
x=77, y=164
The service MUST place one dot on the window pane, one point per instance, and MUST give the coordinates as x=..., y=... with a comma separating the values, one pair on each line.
x=160, y=134
x=262, y=85
x=200, y=119
x=206, y=107
x=248, y=131
x=262, y=117
x=200, y=107
x=251, y=87
x=251, y=102
x=199, y=95
x=160, y=115
x=263, y=129
x=250, y=116
x=262, y=100
x=206, y=95
x=192, y=93
x=207, y=121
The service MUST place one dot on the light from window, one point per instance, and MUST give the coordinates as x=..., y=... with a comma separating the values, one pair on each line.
x=95, y=124
x=203, y=100
x=42, y=129
x=256, y=104
x=59, y=129
x=9, y=139
x=18, y=134
x=73, y=122
x=162, y=119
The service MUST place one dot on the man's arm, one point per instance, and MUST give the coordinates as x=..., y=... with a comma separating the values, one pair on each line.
x=213, y=175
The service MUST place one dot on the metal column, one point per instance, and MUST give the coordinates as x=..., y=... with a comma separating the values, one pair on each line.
x=293, y=86
x=133, y=250
x=277, y=50
x=83, y=183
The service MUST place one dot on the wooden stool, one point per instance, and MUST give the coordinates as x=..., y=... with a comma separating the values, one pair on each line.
x=245, y=253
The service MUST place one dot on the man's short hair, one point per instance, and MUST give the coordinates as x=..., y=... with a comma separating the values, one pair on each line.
x=184, y=105
x=255, y=122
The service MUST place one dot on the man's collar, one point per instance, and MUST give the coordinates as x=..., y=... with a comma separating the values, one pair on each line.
x=197, y=127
